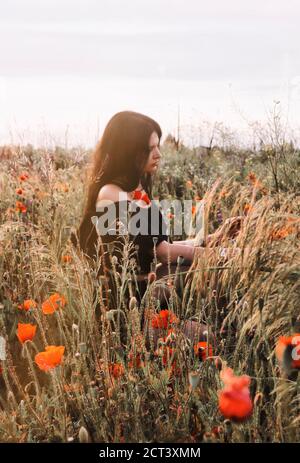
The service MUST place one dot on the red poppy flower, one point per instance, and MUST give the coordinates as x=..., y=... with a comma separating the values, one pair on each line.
x=146, y=198
x=24, y=176
x=53, y=303
x=247, y=208
x=137, y=194
x=116, y=370
x=135, y=360
x=27, y=305
x=288, y=352
x=203, y=350
x=26, y=332
x=163, y=319
x=50, y=358
x=20, y=207
x=234, y=400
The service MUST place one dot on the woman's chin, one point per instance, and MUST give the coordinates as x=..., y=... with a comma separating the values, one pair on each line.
x=151, y=170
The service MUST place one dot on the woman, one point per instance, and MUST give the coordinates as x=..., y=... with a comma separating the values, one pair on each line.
x=125, y=161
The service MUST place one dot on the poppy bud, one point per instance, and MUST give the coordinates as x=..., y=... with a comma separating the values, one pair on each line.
x=83, y=435
x=114, y=260
x=194, y=378
x=258, y=398
x=218, y=363
x=132, y=303
x=151, y=277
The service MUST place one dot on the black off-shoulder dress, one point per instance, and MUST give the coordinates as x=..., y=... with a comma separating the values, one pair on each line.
x=118, y=224
x=125, y=221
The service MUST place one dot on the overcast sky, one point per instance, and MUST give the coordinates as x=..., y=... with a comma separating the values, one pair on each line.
x=67, y=66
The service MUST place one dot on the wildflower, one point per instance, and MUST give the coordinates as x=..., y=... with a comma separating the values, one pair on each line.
x=219, y=216
x=256, y=183
x=288, y=352
x=285, y=231
x=66, y=259
x=50, y=358
x=247, y=208
x=223, y=194
x=203, y=350
x=163, y=319
x=135, y=360
x=234, y=400
x=27, y=305
x=146, y=198
x=166, y=353
x=193, y=210
x=19, y=191
x=116, y=370
x=26, y=332
x=170, y=215
x=53, y=303
x=63, y=187
x=24, y=176
x=252, y=177
x=137, y=194
x=39, y=194
x=20, y=207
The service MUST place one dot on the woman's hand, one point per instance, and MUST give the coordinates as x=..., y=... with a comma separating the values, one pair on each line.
x=230, y=229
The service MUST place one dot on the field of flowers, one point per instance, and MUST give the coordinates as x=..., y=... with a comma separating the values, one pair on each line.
x=66, y=373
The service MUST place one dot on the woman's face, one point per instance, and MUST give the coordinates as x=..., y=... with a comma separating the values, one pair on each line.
x=154, y=155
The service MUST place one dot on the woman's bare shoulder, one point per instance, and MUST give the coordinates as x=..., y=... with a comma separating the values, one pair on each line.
x=113, y=193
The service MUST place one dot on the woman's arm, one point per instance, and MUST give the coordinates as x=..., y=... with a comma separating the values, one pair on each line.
x=190, y=242
x=169, y=252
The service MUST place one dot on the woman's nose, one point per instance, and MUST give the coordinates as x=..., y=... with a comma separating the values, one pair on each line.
x=157, y=154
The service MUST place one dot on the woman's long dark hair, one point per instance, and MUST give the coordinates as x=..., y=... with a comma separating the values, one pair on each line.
x=119, y=158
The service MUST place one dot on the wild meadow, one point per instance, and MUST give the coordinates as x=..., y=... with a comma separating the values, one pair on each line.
x=68, y=373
